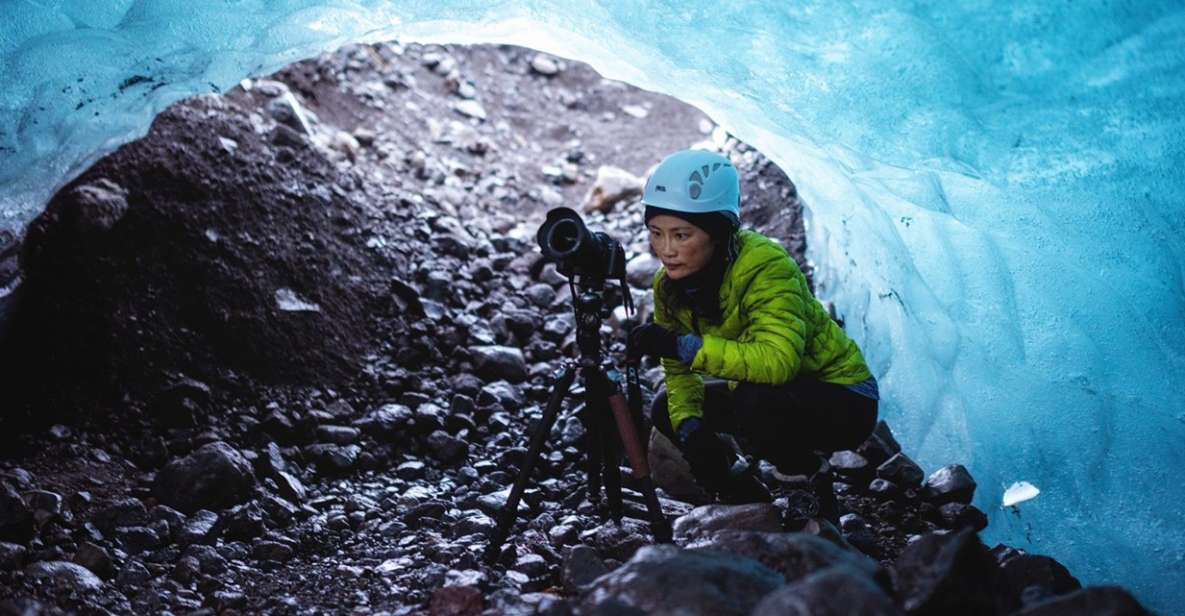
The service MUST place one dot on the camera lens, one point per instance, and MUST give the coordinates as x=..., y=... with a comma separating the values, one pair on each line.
x=564, y=237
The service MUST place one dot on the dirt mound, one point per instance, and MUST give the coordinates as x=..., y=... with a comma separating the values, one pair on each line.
x=205, y=249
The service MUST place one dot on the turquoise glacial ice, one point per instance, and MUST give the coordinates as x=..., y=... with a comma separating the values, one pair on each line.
x=996, y=200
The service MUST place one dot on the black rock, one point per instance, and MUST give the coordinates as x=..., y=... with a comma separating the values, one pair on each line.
x=1021, y=576
x=499, y=362
x=951, y=483
x=199, y=528
x=386, y=421
x=581, y=567
x=95, y=558
x=880, y=446
x=334, y=458
x=213, y=477
x=1093, y=600
x=136, y=539
x=123, y=512
x=901, y=470
x=271, y=550
x=12, y=556
x=946, y=574
x=834, y=591
x=793, y=555
x=446, y=447
x=958, y=516
x=883, y=488
x=16, y=521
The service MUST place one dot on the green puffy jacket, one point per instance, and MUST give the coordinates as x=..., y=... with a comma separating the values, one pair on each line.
x=773, y=330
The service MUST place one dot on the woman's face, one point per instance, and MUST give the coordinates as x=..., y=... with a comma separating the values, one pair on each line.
x=683, y=248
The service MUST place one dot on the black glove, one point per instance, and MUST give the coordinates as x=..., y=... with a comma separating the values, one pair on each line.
x=715, y=466
x=654, y=340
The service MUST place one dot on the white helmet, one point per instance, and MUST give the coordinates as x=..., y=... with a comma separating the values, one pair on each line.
x=696, y=182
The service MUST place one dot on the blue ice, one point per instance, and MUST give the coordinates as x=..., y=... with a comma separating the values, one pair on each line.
x=996, y=201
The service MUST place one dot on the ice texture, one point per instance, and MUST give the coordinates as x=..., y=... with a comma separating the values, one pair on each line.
x=996, y=200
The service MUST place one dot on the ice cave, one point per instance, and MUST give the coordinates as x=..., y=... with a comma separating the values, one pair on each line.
x=995, y=199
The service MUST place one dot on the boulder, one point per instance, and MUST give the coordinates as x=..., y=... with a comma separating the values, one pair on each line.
x=945, y=574
x=793, y=555
x=213, y=477
x=706, y=520
x=834, y=591
x=664, y=580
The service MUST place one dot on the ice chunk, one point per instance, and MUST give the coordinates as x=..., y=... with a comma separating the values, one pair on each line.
x=1020, y=492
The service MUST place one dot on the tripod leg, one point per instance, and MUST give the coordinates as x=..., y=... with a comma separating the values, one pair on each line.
x=641, y=467
x=609, y=454
x=594, y=431
x=509, y=512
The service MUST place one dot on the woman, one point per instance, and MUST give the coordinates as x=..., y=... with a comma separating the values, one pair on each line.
x=732, y=304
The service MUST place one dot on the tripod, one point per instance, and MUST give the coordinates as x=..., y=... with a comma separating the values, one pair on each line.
x=603, y=399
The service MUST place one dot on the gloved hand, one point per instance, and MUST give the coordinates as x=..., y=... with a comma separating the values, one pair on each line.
x=654, y=340
x=715, y=466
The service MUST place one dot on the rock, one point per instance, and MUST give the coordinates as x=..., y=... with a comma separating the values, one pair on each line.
x=706, y=520
x=181, y=402
x=412, y=469
x=880, y=445
x=133, y=575
x=670, y=471
x=137, y=539
x=544, y=65
x=446, y=447
x=500, y=362
x=666, y=580
x=794, y=555
x=332, y=458
x=386, y=421
x=945, y=574
x=834, y=591
x=469, y=108
x=901, y=470
x=619, y=541
x=542, y=295
x=123, y=512
x=213, y=477
x=1093, y=600
x=1030, y=576
x=883, y=488
x=851, y=465
x=951, y=483
x=16, y=521
x=958, y=516
x=340, y=435
x=456, y=601
x=66, y=576
x=12, y=556
x=612, y=186
x=271, y=550
x=95, y=207
x=581, y=567
x=199, y=528
x=501, y=392
x=94, y=558
x=640, y=270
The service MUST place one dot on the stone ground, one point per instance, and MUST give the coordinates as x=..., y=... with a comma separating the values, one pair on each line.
x=283, y=354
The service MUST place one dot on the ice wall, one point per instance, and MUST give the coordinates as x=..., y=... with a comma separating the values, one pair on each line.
x=995, y=190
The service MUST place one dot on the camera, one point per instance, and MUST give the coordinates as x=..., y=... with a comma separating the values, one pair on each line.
x=563, y=238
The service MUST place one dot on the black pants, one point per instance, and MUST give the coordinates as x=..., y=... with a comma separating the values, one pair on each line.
x=782, y=424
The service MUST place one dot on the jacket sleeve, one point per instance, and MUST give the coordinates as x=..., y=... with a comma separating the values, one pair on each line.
x=685, y=389
x=770, y=349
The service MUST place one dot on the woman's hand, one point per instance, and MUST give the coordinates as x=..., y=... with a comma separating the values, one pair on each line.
x=654, y=340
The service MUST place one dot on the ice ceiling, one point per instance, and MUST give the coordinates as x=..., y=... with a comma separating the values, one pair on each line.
x=996, y=199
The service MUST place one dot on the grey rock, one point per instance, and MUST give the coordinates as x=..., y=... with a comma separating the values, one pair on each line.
x=641, y=269
x=706, y=520
x=133, y=575
x=199, y=528
x=412, y=469
x=95, y=558
x=834, y=591
x=671, y=472
x=544, y=65
x=951, y=483
x=542, y=294
x=500, y=362
x=65, y=576
x=851, y=465
x=501, y=392
x=665, y=580
x=386, y=421
x=883, y=488
x=97, y=206
x=901, y=470
x=334, y=458
x=945, y=574
x=213, y=477
x=581, y=567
